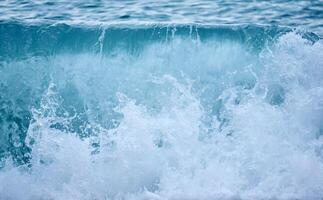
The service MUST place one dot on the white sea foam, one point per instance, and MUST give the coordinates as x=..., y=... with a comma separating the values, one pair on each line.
x=168, y=140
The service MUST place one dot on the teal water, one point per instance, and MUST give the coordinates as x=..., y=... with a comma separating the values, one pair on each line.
x=161, y=100
x=302, y=14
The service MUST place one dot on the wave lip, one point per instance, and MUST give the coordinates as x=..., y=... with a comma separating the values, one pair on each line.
x=20, y=40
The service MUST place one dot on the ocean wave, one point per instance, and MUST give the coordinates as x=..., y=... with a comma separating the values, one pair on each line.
x=20, y=40
x=160, y=112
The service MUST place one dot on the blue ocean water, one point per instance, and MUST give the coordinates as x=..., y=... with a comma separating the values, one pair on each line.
x=161, y=100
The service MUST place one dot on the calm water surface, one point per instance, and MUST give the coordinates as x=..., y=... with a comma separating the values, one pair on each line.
x=306, y=14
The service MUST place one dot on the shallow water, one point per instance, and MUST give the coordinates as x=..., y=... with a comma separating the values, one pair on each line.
x=168, y=100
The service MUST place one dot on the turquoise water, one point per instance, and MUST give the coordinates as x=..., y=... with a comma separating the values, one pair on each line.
x=161, y=100
x=304, y=14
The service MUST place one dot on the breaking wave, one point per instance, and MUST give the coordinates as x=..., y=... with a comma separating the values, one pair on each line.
x=160, y=112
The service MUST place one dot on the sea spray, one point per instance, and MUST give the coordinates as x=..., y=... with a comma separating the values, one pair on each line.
x=207, y=114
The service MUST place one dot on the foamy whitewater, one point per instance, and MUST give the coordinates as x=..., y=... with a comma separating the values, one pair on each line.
x=160, y=112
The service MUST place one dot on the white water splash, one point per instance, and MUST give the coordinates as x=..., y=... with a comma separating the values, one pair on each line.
x=263, y=142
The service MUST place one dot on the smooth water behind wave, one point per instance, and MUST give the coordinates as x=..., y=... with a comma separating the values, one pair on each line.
x=304, y=14
x=178, y=112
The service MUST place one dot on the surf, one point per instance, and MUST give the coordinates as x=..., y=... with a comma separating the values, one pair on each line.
x=160, y=112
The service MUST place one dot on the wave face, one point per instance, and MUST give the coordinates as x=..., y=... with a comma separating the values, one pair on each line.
x=160, y=112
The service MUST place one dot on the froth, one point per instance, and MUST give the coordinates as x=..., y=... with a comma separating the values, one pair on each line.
x=182, y=120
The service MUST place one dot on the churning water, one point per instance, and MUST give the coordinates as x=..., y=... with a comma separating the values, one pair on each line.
x=161, y=100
